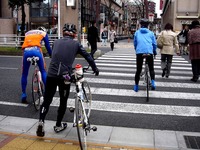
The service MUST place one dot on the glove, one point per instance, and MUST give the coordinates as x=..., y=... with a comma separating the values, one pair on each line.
x=96, y=72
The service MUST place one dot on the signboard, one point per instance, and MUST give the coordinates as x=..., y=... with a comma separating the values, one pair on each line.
x=70, y=2
x=151, y=17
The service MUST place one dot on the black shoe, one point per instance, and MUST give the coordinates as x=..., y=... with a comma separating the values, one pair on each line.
x=163, y=73
x=61, y=128
x=167, y=76
x=40, y=129
x=194, y=80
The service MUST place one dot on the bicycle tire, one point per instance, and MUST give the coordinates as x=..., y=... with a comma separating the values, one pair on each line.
x=87, y=95
x=80, y=124
x=36, y=91
x=147, y=84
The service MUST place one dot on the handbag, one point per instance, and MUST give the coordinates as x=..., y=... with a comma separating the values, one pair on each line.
x=115, y=40
x=160, y=41
x=181, y=39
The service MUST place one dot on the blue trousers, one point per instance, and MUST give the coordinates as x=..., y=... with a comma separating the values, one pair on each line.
x=30, y=52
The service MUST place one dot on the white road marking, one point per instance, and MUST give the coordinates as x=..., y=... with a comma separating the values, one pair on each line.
x=116, y=74
x=157, y=70
x=8, y=68
x=13, y=104
x=133, y=66
x=138, y=108
x=133, y=59
x=131, y=82
x=134, y=62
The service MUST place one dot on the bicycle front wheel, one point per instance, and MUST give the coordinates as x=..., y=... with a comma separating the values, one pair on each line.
x=80, y=124
x=87, y=95
x=36, y=91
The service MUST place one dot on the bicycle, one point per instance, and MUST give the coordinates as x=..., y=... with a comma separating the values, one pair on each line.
x=147, y=79
x=37, y=84
x=82, y=110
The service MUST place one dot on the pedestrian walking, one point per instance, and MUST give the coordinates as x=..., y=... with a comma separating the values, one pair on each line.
x=93, y=37
x=169, y=41
x=183, y=40
x=144, y=43
x=112, y=36
x=194, y=49
x=104, y=37
x=63, y=55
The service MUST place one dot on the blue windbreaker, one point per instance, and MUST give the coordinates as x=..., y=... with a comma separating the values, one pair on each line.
x=144, y=41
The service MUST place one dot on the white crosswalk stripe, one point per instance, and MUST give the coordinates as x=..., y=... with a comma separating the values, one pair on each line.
x=120, y=65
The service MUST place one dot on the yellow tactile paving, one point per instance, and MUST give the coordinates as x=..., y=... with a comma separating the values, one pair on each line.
x=20, y=142
x=26, y=142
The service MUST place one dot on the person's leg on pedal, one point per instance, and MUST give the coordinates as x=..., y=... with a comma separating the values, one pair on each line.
x=139, y=63
x=152, y=72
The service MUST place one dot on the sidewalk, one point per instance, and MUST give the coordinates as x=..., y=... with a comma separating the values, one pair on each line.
x=18, y=133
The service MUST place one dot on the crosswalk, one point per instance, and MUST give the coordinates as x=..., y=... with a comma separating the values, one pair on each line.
x=116, y=79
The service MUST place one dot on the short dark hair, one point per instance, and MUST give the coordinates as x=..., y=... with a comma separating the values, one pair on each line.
x=168, y=26
x=195, y=23
x=93, y=22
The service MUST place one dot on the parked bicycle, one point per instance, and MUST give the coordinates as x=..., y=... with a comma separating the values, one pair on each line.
x=37, y=84
x=82, y=110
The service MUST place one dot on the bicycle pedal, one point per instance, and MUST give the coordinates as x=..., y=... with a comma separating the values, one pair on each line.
x=94, y=128
x=71, y=109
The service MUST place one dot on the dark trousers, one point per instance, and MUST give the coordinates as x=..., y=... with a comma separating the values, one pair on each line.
x=50, y=90
x=93, y=48
x=195, y=68
x=112, y=45
x=139, y=64
x=166, y=63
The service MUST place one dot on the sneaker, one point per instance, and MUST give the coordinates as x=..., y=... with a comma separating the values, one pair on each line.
x=61, y=128
x=23, y=98
x=40, y=129
x=136, y=88
x=153, y=85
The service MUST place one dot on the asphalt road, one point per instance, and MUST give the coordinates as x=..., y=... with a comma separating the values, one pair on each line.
x=10, y=73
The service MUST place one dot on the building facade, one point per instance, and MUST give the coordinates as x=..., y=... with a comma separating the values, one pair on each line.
x=180, y=12
x=45, y=13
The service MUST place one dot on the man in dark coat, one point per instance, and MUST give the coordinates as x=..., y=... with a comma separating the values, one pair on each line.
x=93, y=38
x=194, y=49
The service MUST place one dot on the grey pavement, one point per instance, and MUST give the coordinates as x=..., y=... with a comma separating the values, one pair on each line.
x=108, y=135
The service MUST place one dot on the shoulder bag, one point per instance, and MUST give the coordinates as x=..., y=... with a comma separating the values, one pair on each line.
x=160, y=41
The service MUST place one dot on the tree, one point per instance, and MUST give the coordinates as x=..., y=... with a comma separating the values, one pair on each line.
x=13, y=4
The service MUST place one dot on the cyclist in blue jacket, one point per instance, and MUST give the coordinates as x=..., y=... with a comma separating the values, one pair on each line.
x=145, y=43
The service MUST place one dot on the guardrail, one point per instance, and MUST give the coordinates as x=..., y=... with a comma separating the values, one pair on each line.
x=13, y=40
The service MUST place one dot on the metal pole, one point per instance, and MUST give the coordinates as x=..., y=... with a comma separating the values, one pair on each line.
x=58, y=19
x=79, y=21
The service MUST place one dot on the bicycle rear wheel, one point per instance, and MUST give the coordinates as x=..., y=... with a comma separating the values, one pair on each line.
x=87, y=98
x=80, y=124
x=147, y=85
x=37, y=90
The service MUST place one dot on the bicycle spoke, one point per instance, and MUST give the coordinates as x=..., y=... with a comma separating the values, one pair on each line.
x=87, y=98
x=80, y=125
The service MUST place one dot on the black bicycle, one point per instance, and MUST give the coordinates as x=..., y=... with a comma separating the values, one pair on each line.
x=147, y=78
